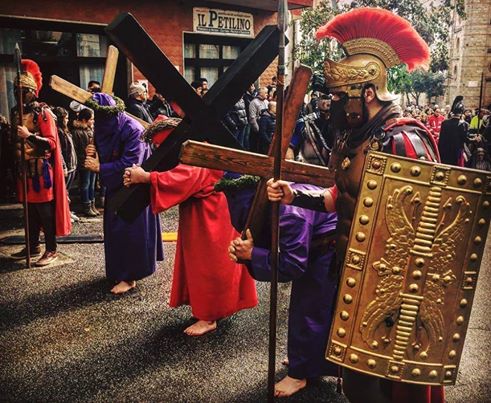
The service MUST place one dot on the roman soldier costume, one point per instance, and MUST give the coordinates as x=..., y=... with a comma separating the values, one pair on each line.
x=411, y=231
x=46, y=193
x=373, y=40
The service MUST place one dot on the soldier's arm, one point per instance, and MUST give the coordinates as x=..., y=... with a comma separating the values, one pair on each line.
x=281, y=191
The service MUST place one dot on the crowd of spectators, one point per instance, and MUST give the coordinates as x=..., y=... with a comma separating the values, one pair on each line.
x=463, y=135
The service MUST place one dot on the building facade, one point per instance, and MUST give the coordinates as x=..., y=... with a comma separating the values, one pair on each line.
x=201, y=38
x=469, y=71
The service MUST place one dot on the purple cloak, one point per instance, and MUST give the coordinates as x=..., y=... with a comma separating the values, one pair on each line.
x=314, y=288
x=131, y=249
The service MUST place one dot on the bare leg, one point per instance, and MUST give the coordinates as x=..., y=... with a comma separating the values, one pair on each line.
x=201, y=327
x=123, y=286
x=289, y=386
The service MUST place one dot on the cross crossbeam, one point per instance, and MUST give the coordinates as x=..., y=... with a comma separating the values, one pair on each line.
x=228, y=159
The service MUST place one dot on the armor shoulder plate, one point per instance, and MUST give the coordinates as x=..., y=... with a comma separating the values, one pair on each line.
x=408, y=138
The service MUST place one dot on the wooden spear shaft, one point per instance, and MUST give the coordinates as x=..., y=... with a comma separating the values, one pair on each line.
x=275, y=207
x=20, y=111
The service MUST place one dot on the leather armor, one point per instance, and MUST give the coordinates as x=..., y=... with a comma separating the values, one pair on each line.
x=348, y=159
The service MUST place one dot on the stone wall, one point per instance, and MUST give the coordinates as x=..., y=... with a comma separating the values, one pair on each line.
x=470, y=55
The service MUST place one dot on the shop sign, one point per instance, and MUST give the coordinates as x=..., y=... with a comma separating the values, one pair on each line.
x=222, y=22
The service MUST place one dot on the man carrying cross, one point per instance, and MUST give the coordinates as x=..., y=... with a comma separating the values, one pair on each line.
x=204, y=277
x=131, y=249
x=366, y=118
x=306, y=254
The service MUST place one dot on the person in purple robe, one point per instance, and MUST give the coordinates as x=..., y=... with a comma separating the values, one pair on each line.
x=131, y=248
x=306, y=254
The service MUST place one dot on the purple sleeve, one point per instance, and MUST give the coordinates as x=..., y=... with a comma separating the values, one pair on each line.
x=296, y=233
x=297, y=134
x=132, y=153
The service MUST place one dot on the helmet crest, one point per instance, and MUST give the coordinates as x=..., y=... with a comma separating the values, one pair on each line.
x=389, y=37
x=31, y=76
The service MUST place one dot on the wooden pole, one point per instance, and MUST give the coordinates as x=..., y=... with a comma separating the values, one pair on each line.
x=275, y=207
x=20, y=111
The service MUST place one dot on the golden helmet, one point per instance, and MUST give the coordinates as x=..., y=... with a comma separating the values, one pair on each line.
x=374, y=40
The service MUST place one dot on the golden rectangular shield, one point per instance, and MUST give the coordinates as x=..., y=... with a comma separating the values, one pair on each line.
x=410, y=271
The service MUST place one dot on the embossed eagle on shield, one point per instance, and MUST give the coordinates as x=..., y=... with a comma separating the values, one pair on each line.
x=411, y=268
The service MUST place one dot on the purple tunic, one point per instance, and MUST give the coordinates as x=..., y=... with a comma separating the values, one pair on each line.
x=313, y=287
x=131, y=249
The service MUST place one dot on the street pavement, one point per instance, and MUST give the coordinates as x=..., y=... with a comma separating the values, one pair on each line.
x=65, y=338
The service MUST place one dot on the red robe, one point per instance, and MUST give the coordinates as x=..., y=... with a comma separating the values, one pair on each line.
x=204, y=276
x=48, y=130
x=435, y=125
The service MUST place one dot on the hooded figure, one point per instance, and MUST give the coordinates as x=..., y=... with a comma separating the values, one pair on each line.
x=131, y=248
x=306, y=254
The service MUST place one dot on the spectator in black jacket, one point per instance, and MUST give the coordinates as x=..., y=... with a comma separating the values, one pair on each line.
x=67, y=151
x=136, y=104
x=236, y=122
x=160, y=106
x=198, y=87
x=267, y=123
x=204, y=85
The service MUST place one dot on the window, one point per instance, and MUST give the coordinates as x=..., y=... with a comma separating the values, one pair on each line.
x=91, y=45
x=210, y=56
x=73, y=51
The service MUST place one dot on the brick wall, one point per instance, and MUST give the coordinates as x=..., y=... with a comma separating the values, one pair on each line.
x=164, y=20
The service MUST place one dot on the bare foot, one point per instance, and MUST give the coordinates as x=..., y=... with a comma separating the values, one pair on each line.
x=201, y=327
x=123, y=286
x=285, y=362
x=289, y=386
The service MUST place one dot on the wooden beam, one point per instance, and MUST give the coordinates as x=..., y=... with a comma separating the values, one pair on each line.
x=80, y=95
x=110, y=69
x=70, y=90
x=227, y=159
x=256, y=219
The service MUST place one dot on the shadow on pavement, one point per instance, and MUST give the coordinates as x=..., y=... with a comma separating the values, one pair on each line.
x=53, y=303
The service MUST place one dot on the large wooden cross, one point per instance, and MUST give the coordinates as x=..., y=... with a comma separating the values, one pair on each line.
x=203, y=115
x=226, y=159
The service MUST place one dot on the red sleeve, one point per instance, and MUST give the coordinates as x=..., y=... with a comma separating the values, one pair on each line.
x=333, y=190
x=47, y=127
x=170, y=188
